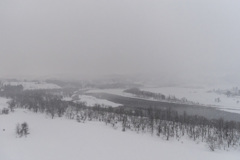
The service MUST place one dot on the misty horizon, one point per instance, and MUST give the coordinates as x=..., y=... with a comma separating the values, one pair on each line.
x=190, y=41
x=119, y=79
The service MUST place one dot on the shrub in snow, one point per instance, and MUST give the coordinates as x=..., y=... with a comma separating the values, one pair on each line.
x=22, y=129
x=212, y=143
x=11, y=105
x=18, y=130
x=5, y=111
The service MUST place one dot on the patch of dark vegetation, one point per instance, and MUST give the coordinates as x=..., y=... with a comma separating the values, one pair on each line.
x=22, y=129
x=5, y=111
x=157, y=96
x=145, y=94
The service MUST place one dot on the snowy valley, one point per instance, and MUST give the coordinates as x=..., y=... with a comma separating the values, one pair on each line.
x=72, y=127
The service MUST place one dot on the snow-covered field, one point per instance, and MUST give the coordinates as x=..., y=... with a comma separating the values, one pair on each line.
x=119, y=92
x=63, y=139
x=202, y=96
x=197, y=95
x=33, y=85
x=92, y=101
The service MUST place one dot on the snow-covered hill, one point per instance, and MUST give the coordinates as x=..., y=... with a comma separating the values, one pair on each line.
x=63, y=139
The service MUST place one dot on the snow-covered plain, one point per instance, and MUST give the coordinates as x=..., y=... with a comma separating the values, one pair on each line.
x=202, y=96
x=92, y=101
x=196, y=95
x=119, y=92
x=33, y=85
x=63, y=139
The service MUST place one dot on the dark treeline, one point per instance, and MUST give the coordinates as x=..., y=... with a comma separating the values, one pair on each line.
x=156, y=96
x=165, y=123
x=145, y=94
x=10, y=91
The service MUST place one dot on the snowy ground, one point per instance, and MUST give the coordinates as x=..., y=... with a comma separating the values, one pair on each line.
x=63, y=139
x=33, y=85
x=119, y=92
x=197, y=95
x=92, y=101
x=202, y=96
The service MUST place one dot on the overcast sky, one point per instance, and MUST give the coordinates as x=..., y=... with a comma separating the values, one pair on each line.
x=98, y=37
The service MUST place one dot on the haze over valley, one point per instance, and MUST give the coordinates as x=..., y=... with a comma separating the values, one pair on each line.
x=129, y=79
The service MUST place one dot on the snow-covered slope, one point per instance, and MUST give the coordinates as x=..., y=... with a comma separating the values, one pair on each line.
x=33, y=85
x=63, y=139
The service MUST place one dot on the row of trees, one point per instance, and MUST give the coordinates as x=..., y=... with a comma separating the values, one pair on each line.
x=145, y=94
x=157, y=96
x=165, y=123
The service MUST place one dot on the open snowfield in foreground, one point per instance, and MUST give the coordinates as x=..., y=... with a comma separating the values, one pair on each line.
x=63, y=139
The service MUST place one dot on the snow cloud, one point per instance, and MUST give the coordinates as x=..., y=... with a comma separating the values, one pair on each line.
x=179, y=39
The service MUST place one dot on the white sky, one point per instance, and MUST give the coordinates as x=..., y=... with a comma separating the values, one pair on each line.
x=96, y=37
